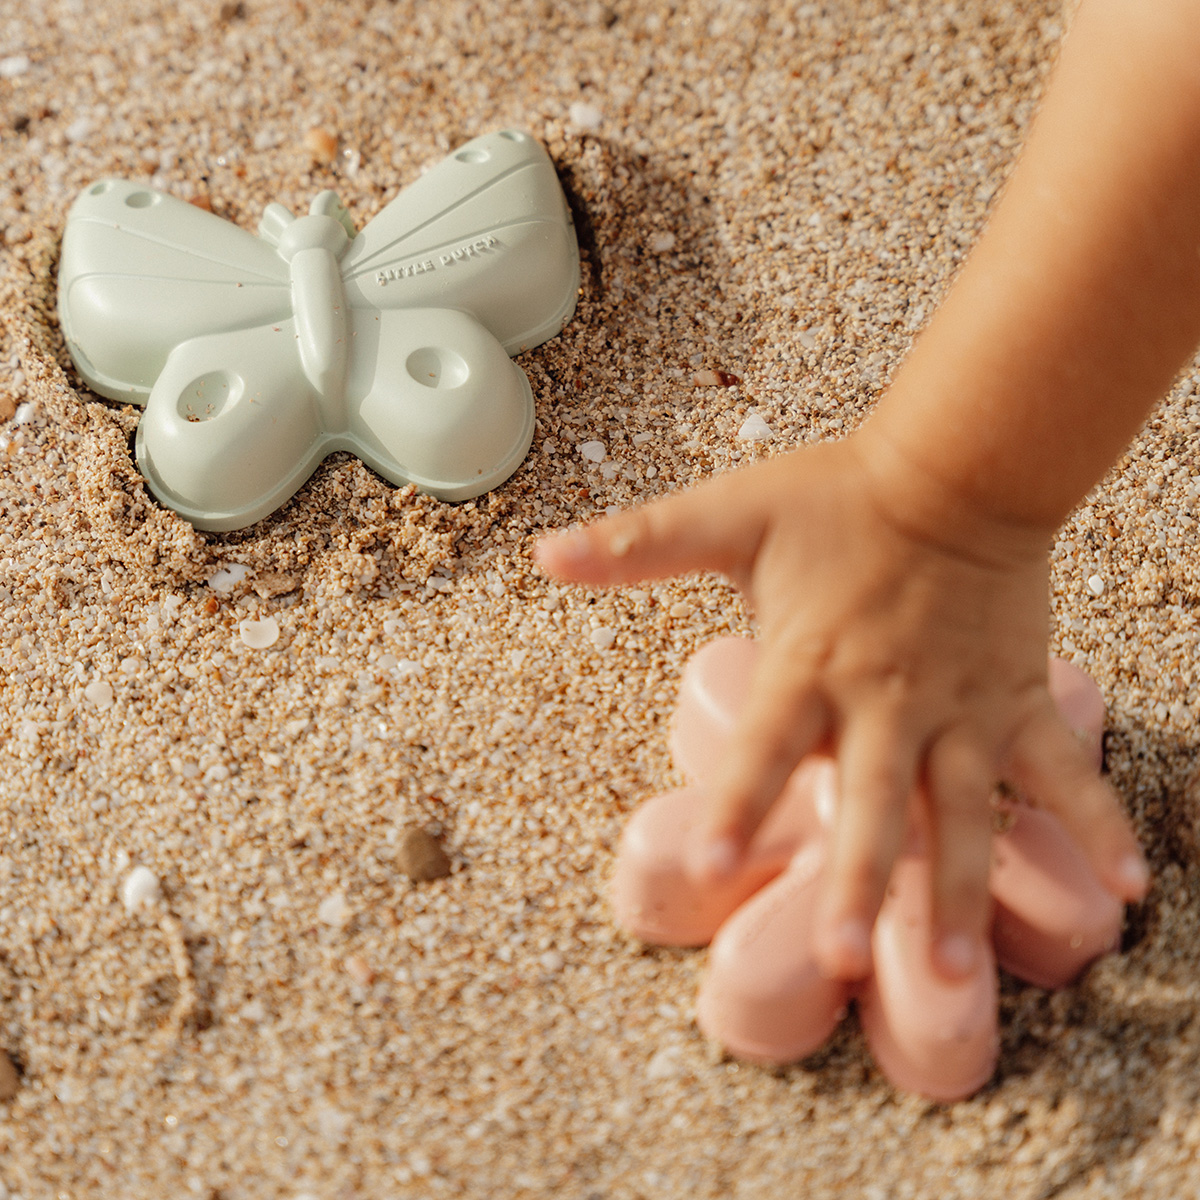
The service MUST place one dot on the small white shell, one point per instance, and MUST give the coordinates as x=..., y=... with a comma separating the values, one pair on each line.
x=585, y=116
x=334, y=910
x=754, y=429
x=227, y=577
x=603, y=638
x=258, y=635
x=141, y=887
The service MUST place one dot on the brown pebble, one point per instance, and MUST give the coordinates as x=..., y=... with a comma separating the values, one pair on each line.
x=8, y=408
x=715, y=378
x=275, y=583
x=10, y=1081
x=420, y=857
x=321, y=144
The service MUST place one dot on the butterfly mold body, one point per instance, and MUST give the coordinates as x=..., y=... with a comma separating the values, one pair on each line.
x=257, y=356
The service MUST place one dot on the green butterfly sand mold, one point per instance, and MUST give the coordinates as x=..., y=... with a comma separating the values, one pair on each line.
x=257, y=356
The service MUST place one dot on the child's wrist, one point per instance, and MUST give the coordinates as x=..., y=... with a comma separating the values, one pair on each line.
x=938, y=507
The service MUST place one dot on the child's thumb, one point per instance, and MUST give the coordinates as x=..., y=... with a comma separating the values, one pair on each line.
x=700, y=528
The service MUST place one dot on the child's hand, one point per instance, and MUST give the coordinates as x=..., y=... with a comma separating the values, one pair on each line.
x=917, y=655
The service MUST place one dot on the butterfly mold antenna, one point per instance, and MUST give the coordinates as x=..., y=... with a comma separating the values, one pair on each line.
x=327, y=204
x=275, y=220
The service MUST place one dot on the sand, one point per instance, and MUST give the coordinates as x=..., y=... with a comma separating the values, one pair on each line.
x=770, y=198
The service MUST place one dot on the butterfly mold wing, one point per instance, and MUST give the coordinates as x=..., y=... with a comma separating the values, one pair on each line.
x=486, y=230
x=233, y=427
x=436, y=401
x=142, y=271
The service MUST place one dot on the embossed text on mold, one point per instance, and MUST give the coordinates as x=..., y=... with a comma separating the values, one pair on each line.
x=447, y=259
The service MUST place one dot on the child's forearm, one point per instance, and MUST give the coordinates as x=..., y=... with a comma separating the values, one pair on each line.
x=1081, y=300
x=899, y=577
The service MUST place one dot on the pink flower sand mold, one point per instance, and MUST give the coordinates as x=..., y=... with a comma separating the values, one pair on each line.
x=763, y=997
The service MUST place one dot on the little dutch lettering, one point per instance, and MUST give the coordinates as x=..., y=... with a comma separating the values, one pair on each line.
x=469, y=250
x=404, y=272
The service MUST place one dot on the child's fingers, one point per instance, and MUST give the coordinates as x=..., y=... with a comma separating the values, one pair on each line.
x=783, y=721
x=1049, y=763
x=960, y=784
x=876, y=776
x=700, y=528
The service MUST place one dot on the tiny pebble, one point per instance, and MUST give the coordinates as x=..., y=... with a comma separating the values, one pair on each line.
x=14, y=65
x=585, y=116
x=660, y=243
x=275, y=583
x=1096, y=585
x=79, y=130
x=334, y=910
x=321, y=144
x=664, y=1065
x=552, y=962
x=593, y=451
x=140, y=888
x=681, y=608
x=227, y=576
x=100, y=693
x=359, y=970
x=10, y=1081
x=603, y=637
x=258, y=635
x=420, y=857
x=754, y=429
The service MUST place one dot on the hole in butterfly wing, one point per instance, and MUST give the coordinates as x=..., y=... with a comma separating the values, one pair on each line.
x=437, y=367
x=209, y=395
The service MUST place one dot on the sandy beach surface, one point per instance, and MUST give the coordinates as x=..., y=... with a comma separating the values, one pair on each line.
x=770, y=200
